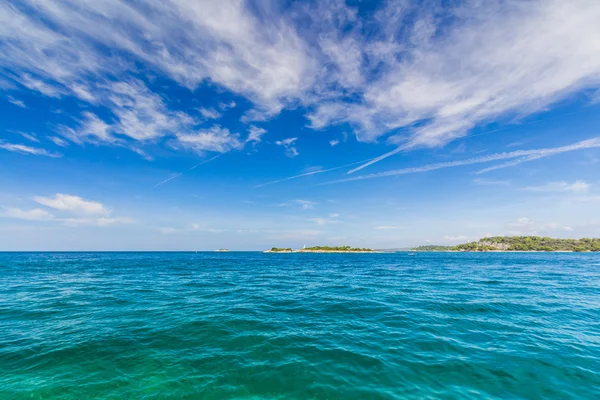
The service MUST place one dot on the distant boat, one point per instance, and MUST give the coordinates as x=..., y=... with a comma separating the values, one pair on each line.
x=412, y=254
x=221, y=251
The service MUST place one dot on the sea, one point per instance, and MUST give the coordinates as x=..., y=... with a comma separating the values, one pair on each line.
x=248, y=325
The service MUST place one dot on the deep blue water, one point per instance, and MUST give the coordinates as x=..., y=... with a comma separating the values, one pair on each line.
x=299, y=326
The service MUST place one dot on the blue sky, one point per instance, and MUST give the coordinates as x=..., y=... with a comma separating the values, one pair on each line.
x=181, y=125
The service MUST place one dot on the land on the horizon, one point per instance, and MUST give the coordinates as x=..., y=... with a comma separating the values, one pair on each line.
x=520, y=243
x=321, y=249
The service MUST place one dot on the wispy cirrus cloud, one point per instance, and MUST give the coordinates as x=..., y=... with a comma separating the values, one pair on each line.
x=422, y=76
x=28, y=150
x=210, y=113
x=488, y=63
x=29, y=137
x=215, y=139
x=16, y=102
x=224, y=42
x=58, y=141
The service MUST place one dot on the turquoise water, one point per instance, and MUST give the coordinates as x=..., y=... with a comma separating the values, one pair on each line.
x=299, y=326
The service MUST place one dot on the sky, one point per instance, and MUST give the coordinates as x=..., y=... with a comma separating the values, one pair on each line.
x=197, y=125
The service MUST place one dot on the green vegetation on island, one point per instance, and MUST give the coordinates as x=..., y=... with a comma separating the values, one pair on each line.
x=520, y=243
x=280, y=250
x=337, y=248
x=433, y=247
x=322, y=249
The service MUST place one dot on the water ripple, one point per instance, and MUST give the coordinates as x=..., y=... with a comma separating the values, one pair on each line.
x=329, y=326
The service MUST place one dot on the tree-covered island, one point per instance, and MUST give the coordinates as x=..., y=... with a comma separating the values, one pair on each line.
x=335, y=249
x=279, y=250
x=520, y=243
x=323, y=249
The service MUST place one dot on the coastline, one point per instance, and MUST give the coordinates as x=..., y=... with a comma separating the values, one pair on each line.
x=499, y=251
x=324, y=251
x=336, y=251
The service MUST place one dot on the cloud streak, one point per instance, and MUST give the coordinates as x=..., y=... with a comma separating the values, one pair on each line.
x=422, y=76
x=320, y=171
x=520, y=155
x=28, y=150
x=177, y=175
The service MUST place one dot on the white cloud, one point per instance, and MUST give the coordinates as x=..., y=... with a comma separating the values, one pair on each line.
x=91, y=128
x=58, y=141
x=210, y=113
x=215, y=139
x=224, y=42
x=562, y=186
x=72, y=204
x=83, y=93
x=288, y=145
x=96, y=213
x=403, y=66
x=143, y=115
x=34, y=151
x=255, y=134
x=334, y=142
x=35, y=214
x=16, y=102
x=29, y=136
x=486, y=60
x=225, y=106
x=38, y=85
x=142, y=154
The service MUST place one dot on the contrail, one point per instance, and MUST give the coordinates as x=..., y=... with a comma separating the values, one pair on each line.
x=168, y=179
x=308, y=173
x=376, y=159
x=177, y=175
x=407, y=147
x=521, y=155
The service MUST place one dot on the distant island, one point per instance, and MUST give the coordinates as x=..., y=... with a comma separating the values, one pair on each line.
x=322, y=249
x=520, y=243
x=279, y=250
